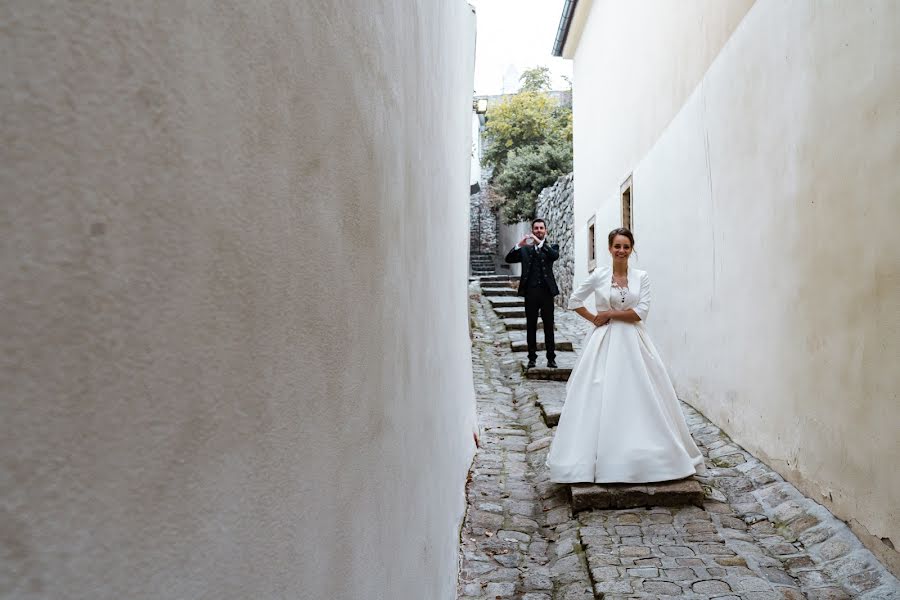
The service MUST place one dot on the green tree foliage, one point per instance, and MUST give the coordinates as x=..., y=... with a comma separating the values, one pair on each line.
x=523, y=120
x=563, y=117
x=529, y=170
x=529, y=145
x=535, y=80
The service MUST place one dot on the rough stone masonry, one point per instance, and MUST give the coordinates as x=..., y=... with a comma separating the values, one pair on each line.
x=555, y=204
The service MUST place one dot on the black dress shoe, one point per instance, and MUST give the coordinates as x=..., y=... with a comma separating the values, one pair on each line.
x=551, y=364
x=530, y=363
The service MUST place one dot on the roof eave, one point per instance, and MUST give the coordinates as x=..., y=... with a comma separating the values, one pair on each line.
x=565, y=23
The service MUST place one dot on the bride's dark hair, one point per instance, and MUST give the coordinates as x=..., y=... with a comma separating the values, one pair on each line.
x=621, y=231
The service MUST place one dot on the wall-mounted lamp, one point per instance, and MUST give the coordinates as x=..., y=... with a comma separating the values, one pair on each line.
x=479, y=105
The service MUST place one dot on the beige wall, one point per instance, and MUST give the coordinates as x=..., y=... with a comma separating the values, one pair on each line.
x=235, y=356
x=766, y=214
x=635, y=64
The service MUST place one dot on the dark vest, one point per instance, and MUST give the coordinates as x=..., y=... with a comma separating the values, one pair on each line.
x=537, y=273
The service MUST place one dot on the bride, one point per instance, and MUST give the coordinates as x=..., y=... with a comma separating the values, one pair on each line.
x=621, y=421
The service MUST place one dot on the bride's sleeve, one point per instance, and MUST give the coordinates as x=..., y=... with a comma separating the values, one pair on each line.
x=587, y=287
x=643, y=305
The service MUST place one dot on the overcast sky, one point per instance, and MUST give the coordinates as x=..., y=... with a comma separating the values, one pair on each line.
x=514, y=35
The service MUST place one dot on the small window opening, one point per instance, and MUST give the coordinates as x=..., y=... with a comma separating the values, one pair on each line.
x=627, y=192
x=592, y=245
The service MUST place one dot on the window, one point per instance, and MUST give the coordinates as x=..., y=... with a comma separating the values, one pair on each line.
x=627, y=192
x=591, y=245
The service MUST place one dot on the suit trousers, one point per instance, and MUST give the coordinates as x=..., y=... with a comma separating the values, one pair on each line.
x=539, y=301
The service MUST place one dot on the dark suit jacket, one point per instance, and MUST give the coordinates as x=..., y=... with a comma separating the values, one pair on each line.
x=525, y=254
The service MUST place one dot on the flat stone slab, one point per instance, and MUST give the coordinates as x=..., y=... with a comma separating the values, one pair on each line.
x=587, y=496
x=565, y=362
x=498, y=278
x=507, y=301
x=498, y=291
x=545, y=374
x=549, y=396
x=522, y=345
x=519, y=324
x=510, y=312
x=501, y=283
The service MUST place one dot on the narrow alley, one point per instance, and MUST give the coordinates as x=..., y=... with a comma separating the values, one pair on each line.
x=750, y=535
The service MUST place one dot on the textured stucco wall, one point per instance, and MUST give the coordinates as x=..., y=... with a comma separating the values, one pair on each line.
x=635, y=65
x=235, y=357
x=766, y=215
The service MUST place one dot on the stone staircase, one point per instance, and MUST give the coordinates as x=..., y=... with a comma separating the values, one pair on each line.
x=548, y=392
x=481, y=265
x=501, y=292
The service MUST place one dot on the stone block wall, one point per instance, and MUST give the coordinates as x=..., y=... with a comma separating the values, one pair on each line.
x=482, y=220
x=555, y=206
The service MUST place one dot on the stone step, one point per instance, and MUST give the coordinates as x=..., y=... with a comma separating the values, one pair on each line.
x=507, y=301
x=502, y=283
x=565, y=363
x=503, y=278
x=510, y=312
x=522, y=345
x=587, y=496
x=519, y=324
x=493, y=281
x=498, y=291
x=549, y=396
x=545, y=374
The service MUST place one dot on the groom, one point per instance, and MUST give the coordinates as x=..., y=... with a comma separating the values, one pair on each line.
x=538, y=286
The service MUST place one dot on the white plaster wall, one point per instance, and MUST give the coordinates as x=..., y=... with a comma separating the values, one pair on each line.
x=235, y=355
x=509, y=236
x=635, y=64
x=766, y=214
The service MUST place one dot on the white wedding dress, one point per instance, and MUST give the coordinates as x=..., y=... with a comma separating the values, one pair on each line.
x=621, y=421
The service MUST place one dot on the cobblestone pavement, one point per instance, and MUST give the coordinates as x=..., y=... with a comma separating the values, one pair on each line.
x=756, y=537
